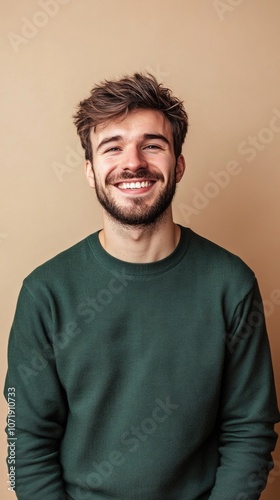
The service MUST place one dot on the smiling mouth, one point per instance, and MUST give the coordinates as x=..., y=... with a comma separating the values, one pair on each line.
x=135, y=184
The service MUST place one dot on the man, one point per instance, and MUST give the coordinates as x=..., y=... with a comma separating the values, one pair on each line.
x=139, y=357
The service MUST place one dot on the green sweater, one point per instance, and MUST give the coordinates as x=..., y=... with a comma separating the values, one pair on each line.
x=142, y=381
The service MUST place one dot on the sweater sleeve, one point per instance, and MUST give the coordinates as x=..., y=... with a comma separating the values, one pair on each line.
x=248, y=406
x=40, y=402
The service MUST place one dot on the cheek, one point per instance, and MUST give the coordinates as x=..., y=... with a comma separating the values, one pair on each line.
x=105, y=167
x=107, y=172
x=101, y=177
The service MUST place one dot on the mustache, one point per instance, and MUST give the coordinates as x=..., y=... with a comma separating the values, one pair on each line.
x=140, y=174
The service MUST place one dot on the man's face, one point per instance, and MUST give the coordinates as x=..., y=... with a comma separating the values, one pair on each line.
x=134, y=167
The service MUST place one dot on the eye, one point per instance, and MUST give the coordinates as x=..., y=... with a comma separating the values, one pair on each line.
x=112, y=150
x=152, y=146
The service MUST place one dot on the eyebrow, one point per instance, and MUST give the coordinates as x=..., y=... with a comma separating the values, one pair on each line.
x=116, y=138
x=157, y=136
x=106, y=140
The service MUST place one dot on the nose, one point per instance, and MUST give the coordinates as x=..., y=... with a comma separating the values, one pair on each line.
x=134, y=159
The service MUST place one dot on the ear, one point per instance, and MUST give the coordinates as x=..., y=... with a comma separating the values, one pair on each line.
x=180, y=168
x=90, y=174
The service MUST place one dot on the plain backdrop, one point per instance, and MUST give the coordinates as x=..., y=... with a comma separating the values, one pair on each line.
x=220, y=57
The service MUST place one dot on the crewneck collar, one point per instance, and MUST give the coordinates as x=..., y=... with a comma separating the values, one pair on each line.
x=142, y=269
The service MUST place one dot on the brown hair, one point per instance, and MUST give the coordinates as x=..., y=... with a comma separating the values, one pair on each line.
x=112, y=99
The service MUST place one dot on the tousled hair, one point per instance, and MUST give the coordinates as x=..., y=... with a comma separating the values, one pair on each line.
x=116, y=98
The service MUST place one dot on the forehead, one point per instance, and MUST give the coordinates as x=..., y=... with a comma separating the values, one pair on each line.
x=133, y=125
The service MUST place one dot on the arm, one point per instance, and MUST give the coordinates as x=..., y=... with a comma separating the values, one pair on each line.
x=248, y=408
x=40, y=402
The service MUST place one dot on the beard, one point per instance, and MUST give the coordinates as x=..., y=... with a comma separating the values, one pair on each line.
x=140, y=213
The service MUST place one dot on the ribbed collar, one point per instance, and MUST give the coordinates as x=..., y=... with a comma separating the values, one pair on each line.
x=132, y=269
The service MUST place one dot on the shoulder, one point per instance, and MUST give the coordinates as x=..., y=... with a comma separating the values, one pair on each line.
x=220, y=265
x=60, y=268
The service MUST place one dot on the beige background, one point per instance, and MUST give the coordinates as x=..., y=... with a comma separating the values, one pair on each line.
x=221, y=58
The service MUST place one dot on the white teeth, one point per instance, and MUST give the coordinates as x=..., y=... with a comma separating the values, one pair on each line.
x=134, y=185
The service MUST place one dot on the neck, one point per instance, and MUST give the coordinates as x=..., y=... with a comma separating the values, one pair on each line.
x=142, y=244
